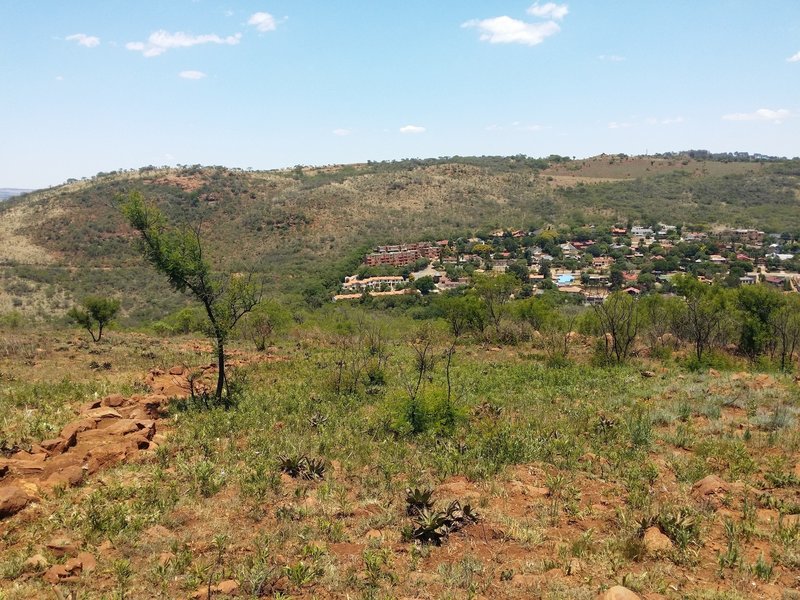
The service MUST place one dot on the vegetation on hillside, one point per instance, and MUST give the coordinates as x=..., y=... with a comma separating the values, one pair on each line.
x=305, y=228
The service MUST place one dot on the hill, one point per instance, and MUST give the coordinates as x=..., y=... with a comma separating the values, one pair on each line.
x=311, y=225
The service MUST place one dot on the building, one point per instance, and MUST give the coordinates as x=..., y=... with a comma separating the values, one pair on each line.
x=401, y=255
x=353, y=284
x=643, y=232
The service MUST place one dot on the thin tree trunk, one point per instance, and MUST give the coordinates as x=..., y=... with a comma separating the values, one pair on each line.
x=221, y=368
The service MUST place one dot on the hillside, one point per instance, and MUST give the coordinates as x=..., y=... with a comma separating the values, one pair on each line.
x=310, y=225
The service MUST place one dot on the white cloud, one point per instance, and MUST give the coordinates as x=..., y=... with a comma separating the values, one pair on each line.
x=89, y=41
x=505, y=30
x=611, y=57
x=341, y=132
x=672, y=120
x=262, y=21
x=794, y=58
x=618, y=125
x=762, y=114
x=191, y=75
x=550, y=10
x=412, y=129
x=161, y=41
x=59, y=78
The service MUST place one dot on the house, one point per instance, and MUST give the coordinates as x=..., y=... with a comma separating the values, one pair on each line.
x=772, y=280
x=399, y=255
x=618, y=231
x=664, y=229
x=354, y=284
x=571, y=289
x=778, y=256
x=339, y=297
x=602, y=262
x=642, y=232
x=632, y=291
x=630, y=276
x=747, y=280
x=598, y=280
x=569, y=250
x=444, y=284
x=695, y=236
x=717, y=259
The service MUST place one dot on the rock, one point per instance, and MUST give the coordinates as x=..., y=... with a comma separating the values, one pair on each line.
x=55, y=445
x=88, y=561
x=655, y=542
x=104, y=412
x=373, y=534
x=36, y=562
x=70, y=431
x=74, y=566
x=106, y=455
x=648, y=374
x=178, y=370
x=12, y=500
x=618, y=592
x=55, y=574
x=67, y=477
x=113, y=400
x=61, y=546
x=710, y=489
x=227, y=587
x=165, y=558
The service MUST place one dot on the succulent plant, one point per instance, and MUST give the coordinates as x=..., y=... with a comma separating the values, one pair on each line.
x=418, y=500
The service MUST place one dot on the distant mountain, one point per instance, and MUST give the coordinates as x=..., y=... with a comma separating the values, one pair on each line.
x=6, y=193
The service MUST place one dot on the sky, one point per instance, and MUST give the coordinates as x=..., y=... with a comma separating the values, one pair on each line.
x=92, y=86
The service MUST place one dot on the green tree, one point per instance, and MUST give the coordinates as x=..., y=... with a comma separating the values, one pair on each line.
x=520, y=270
x=757, y=303
x=463, y=313
x=619, y=320
x=263, y=321
x=702, y=318
x=96, y=311
x=616, y=277
x=177, y=253
x=785, y=326
x=425, y=285
x=495, y=291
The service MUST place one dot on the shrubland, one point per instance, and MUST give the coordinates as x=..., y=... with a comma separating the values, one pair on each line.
x=538, y=463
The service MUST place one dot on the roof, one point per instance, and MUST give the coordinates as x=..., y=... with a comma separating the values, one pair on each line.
x=571, y=289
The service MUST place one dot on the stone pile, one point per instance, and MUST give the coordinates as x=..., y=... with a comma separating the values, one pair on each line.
x=107, y=431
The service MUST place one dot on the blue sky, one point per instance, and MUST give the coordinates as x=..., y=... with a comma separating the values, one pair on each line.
x=99, y=85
